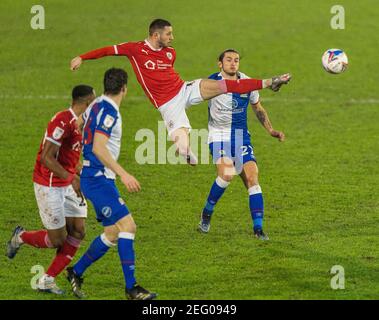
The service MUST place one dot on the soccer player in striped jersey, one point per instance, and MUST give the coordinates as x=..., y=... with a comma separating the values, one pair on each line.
x=153, y=63
x=230, y=145
x=102, y=134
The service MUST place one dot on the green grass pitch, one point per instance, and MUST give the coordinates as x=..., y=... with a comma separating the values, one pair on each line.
x=320, y=186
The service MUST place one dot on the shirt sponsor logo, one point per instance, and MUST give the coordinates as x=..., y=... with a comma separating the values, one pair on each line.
x=108, y=121
x=150, y=65
x=58, y=133
x=232, y=107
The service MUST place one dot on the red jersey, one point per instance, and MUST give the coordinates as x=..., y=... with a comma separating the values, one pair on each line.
x=63, y=131
x=154, y=68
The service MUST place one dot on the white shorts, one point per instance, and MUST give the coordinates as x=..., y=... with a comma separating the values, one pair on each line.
x=57, y=203
x=174, y=111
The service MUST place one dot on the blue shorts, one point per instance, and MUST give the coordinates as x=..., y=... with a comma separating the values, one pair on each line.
x=240, y=154
x=103, y=194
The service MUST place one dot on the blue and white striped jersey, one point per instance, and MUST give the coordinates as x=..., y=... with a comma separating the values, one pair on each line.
x=227, y=113
x=101, y=116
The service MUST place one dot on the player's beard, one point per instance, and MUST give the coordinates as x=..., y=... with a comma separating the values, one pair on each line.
x=163, y=45
x=230, y=74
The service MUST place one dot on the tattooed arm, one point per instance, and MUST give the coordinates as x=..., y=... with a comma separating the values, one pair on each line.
x=263, y=118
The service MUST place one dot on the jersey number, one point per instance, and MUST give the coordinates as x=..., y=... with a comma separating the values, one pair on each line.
x=245, y=151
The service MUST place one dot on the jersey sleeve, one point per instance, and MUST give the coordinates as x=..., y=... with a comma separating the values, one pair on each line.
x=254, y=97
x=124, y=49
x=57, y=130
x=106, y=121
x=98, y=53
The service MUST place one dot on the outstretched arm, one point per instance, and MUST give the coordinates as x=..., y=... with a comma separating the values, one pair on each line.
x=263, y=118
x=116, y=50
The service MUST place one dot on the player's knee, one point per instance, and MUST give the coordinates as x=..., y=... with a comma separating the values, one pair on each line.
x=131, y=227
x=79, y=233
x=58, y=242
x=227, y=174
x=227, y=177
x=126, y=224
x=111, y=237
x=252, y=180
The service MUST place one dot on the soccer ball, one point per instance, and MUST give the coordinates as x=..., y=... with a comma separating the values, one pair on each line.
x=334, y=61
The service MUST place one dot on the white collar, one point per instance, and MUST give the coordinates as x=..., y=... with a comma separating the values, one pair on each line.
x=151, y=47
x=73, y=113
x=104, y=97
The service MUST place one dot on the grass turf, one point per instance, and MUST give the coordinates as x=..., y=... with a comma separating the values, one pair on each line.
x=319, y=185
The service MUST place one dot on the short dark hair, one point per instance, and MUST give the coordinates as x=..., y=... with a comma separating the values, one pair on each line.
x=114, y=80
x=80, y=92
x=158, y=24
x=222, y=55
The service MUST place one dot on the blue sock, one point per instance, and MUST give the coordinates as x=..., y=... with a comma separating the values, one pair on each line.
x=127, y=257
x=97, y=249
x=215, y=194
x=256, y=206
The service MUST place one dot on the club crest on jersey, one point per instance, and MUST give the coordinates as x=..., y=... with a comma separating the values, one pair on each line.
x=106, y=211
x=169, y=55
x=108, y=121
x=58, y=133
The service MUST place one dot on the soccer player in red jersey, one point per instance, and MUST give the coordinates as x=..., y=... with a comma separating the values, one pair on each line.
x=153, y=63
x=57, y=189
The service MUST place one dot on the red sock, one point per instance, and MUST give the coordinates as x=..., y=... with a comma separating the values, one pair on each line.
x=37, y=239
x=64, y=256
x=241, y=85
